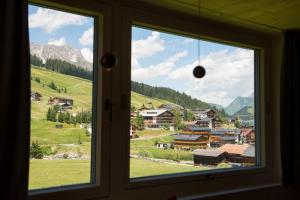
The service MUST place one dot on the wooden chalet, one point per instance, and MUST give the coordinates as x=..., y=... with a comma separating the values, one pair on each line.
x=35, y=96
x=248, y=135
x=209, y=122
x=192, y=137
x=236, y=151
x=203, y=113
x=157, y=118
x=223, y=136
x=233, y=153
x=209, y=156
x=60, y=100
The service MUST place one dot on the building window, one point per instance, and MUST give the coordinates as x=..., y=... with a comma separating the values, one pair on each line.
x=183, y=124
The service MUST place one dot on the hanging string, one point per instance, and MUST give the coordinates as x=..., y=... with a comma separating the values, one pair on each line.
x=199, y=36
x=199, y=71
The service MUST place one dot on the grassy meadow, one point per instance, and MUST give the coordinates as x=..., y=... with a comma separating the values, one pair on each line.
x=50, y=173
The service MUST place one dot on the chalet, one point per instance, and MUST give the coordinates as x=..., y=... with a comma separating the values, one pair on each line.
x=60, y=100
x=209, y=122
x=184, y=141
x=208, y=156
x=233, y=153
x=192, y=137
x=249, y=155
x=248, y=135
x=157, y=118
x=163, y=145
x=223, y=136
x=64, y=106
x=35, y=96
x=203, y=113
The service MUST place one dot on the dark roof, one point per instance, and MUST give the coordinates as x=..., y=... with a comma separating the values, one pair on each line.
x=221, y=131
x=208, y=152
x=228, y=138
x=194, y=128
x=187, y=137
x=249, y=152
x=206, y=119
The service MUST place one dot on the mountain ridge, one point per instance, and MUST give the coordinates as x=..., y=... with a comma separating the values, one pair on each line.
x=63, y=52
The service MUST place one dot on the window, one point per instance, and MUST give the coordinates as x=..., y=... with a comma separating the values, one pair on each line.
x=69, y=122
x=183, y=124
x=156, y=130
x=61, y=97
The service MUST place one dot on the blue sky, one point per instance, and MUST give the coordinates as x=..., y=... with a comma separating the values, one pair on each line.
x=163, y=59
x=158, y=59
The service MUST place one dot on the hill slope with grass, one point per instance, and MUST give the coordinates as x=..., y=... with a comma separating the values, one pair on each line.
x=78, y=89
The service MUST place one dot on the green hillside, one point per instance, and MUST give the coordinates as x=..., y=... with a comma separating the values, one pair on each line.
x=137, y=100
x=70, y=138
x=168, y=94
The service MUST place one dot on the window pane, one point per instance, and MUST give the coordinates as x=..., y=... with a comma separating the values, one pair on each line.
x=180, y=123
x=61, y=48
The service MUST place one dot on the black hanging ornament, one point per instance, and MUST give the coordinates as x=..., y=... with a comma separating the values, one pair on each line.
x=199, y=71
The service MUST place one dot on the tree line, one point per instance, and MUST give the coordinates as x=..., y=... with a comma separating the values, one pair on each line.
x=168, y=94
x=62, y=67
x=54, y=114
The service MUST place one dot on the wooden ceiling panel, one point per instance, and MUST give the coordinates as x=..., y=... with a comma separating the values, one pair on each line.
x=277, y=14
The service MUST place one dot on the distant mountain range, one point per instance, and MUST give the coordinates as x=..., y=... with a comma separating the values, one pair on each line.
x=64, y=53
x=247, y=110
x=239, y=103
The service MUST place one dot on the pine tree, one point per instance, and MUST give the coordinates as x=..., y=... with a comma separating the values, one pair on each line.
x=48, y=115
x=67, y=117
x=61, y=117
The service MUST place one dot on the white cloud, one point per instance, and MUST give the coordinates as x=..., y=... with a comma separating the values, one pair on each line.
x=59, y=42
x=162, y=69
x=87, y=37
x=228, y=74
x=51, y=20
x=188, y=41
x=87, y=54
x=146, y=47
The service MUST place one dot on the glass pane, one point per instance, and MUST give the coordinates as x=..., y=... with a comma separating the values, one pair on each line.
x=61, y=48
x=180, y=123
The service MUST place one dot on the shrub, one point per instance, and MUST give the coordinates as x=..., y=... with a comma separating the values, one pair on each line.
x=36, y=151
x=144, y=154
x=46, y=150
x=65, y=156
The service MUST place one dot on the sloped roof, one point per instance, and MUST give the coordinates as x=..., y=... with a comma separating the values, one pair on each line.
x=208, y=152
x=152, y=113
x=228, y=138
x=246, y=131
x=195, y=128
x=249, y=152
x=205, y=119
x=234, y=148
x=221, y=131
x=187, y=137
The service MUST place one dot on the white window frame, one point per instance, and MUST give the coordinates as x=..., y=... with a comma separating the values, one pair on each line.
x=113, y=172
x=202, y=182
x=99, y=187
